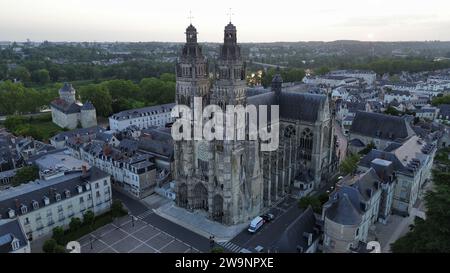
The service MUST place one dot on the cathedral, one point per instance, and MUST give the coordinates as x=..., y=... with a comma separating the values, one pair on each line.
x=233, y=180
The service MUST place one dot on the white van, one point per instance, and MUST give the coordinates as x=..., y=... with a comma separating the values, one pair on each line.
x=255, y=224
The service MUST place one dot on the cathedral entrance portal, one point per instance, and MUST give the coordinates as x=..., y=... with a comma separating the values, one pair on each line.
x=217, y=211
x=182, y=195
x=200, y=197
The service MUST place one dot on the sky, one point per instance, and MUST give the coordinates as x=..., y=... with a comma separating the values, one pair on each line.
x=256, y=20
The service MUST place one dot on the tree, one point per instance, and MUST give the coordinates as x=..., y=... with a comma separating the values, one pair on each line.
x=312, y=201
x=12, y=122
x=367, y=149
x=117, y=209
x=41, y=76
x=88, y=218
x=349, y=164
x=15, y=98
x=323, y=198
x=75, y=223
x=322, y=70
x=392, y=111
x=441, y=100
x=100, y=98
x=25, y=174
x=49, y=246
x=167, y=77
x=217, y=249
x=21, y=73
x=58, y=235
x=60, y=249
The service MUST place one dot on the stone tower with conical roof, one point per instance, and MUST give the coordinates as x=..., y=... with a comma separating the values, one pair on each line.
x=67, y=93
x=88, y=115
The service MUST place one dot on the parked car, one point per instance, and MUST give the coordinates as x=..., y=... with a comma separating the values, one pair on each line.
x=268, y=217
x=256, y=224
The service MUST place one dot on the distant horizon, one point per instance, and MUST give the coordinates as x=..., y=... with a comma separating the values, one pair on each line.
x=265, y=21
x=239, y=42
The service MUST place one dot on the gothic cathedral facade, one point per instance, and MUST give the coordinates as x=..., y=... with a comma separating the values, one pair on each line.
x=232, y=180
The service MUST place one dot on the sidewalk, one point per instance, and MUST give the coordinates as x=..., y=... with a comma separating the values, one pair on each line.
x=197, y=222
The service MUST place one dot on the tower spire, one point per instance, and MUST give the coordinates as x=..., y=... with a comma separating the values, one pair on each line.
x=230, y=13
x=190, y=17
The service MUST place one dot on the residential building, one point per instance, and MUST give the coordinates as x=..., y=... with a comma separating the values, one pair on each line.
x=300, y=236
x=352, y=208
x=12, y=237
x=41, y=205
x=132, y=172
x=412, y=163
x=379, y=129
x=158, y=115
x=79, y=135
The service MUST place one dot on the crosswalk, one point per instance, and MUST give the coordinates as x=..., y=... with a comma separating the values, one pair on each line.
x=230, y=246
x=145, y=214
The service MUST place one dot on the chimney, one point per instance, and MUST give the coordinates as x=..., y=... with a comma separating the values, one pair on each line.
x=84, y=169
x=16, y=201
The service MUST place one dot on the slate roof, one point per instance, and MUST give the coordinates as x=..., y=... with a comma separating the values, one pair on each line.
x=296, y=233
x=381, y=126
x=67, y=87
x=293, y=105
x=347, y=203
x=299, y=106
x=343, y=212
x=444, y=110
x=356, y=142
x=82, y=131
x=156, y=147
x=25, y=194
x=8, y=231
x=87, y=106
x=103, y=136
x=65, y=107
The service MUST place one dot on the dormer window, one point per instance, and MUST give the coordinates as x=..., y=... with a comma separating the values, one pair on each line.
x=67, y=193
x=57, y=197
x=11, y=213
x=35, y=204
x=88, y=187
x=15, y=244
x=46, y=200
x=23, y=209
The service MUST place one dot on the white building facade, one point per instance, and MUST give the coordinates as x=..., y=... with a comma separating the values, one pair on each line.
x=158, y=115
x=41, y=206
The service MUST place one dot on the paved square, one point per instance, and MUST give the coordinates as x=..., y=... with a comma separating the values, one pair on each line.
x=113, y=236
x=108, y=250
x=175, y=247
x=159, y=242
x=126, y=245
x=144, y=249
x=145, y=233
x=124, y=236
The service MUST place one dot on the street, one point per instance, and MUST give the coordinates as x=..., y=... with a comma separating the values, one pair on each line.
x=285, y=213
x=342, y=148
x=146, y=214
